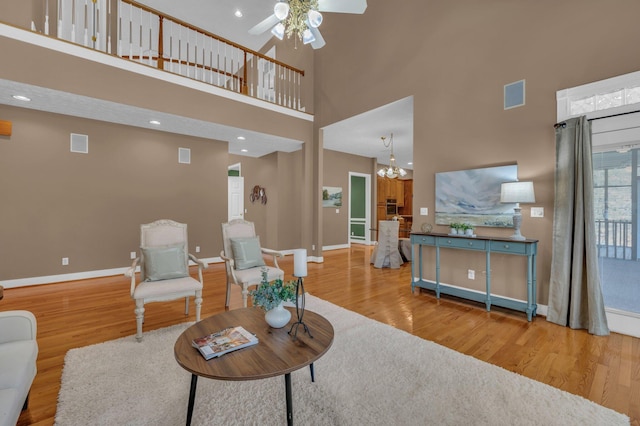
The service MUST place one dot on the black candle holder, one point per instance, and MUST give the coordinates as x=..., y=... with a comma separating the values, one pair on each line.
x=299, y=310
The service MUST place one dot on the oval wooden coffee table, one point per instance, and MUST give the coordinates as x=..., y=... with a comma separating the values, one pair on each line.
x=277, y=353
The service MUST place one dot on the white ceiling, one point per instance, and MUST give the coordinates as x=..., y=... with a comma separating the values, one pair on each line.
x=43, y=99
x=359, y=135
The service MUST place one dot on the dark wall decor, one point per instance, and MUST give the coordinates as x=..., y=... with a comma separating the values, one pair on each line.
x=258, y=193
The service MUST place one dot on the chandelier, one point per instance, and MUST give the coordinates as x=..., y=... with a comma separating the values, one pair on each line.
x=392, y=171
x=297, y=17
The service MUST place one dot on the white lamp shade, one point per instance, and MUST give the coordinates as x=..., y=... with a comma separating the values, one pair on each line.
x=517, y=192
x=281, y=10
x=278, y=31
x=300, y=263
x=308, y=37
x=314, y=18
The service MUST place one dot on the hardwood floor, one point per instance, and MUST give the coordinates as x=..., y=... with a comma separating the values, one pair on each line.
x=605, y=370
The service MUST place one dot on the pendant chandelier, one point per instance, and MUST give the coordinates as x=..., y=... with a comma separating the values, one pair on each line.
x=392, y=171
x=297, y=17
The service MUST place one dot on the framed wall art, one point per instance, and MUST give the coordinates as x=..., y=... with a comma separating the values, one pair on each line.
x=331, y=196
x=473, y=197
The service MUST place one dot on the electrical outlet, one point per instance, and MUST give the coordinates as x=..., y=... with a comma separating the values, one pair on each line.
x=65, y=261
x=197, y=249
x=337, y=210
x=313, y=246
x=424, y=211
x=537, y=211
x=471, y=274
x=132, y=255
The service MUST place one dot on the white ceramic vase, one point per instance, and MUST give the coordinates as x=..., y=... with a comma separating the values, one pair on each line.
x=277, y=317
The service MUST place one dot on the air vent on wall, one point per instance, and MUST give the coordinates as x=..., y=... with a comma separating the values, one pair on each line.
x=79, y=143
x=514, y=94
x=184, y=156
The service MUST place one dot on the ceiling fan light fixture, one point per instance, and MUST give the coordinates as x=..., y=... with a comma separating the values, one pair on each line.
x=278, y=31
x=314, y=18
x=308, y=37
x=281, y=10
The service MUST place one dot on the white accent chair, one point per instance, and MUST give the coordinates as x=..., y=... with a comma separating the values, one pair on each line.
x=18, y=355
x=164, y=269
x=244, y=265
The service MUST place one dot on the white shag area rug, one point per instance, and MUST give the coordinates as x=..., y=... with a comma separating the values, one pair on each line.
x=373, y=374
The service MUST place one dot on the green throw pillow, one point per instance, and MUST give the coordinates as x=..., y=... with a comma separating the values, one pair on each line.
x=165, y=262
x=246, y=252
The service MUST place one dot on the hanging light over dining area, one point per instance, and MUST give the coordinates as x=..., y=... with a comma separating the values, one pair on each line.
x=392, y=171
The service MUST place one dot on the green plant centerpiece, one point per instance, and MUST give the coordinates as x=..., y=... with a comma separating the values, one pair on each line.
x=269, y=295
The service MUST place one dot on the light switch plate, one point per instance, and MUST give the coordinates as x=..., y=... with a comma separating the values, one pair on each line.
x=537, y=211
x=424, y=211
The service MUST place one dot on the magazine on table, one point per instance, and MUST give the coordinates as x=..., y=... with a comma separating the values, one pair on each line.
x=224, y=341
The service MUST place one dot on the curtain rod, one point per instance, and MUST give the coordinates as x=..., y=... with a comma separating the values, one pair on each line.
x=563, y=124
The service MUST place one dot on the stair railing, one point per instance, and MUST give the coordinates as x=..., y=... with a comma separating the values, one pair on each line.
x=148, y=36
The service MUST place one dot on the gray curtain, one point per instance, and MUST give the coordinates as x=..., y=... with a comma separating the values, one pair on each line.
x=575, y=295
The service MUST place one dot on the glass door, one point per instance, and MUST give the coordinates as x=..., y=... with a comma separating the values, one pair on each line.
x=615, y=174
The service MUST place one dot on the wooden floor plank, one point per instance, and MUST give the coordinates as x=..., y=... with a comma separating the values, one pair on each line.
x=605, y=370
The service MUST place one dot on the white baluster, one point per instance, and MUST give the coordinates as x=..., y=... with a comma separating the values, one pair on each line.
x=86, y=29
x=59, y=18
x=46, y=17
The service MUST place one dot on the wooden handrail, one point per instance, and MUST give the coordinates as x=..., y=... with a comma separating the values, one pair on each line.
x=216, y=37
x=167, y=43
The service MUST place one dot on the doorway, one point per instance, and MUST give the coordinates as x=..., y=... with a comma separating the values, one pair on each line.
x=359, y=208
x=235, y=197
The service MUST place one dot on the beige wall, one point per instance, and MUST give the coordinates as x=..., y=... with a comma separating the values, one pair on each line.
x=455, y=58
x=278, y=222
x=337, y=165
x=285, y=227
x=88, y=207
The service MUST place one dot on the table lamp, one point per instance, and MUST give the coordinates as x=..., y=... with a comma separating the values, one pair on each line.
x=299, y=271
x=517, y=192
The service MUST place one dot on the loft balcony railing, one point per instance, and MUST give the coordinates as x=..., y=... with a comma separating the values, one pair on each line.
x=141, y=34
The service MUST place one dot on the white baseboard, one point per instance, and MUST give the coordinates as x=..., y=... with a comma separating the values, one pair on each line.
x=49, y=279
x=363, y=243
x=336, y=247
x=74, y=276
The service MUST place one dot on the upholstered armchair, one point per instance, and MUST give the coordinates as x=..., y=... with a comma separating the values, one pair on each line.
x=164, y=269
x=243, y=257
x=18, y=355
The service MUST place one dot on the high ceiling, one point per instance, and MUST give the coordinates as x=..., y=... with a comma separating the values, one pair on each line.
x=358, y=135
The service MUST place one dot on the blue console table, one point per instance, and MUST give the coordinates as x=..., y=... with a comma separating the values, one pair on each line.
x=488, y=245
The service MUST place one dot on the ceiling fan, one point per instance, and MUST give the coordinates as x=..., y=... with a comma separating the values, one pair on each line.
x=302, y=18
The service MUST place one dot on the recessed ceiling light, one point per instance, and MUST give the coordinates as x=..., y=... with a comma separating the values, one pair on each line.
x=21, y=98
x=156, y=122
x=238, y=13
x=241, y=138
x=244, y=150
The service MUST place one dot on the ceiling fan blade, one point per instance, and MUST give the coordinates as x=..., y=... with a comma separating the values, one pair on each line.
x=319, y=41
x=265, y=25
x=342, y=6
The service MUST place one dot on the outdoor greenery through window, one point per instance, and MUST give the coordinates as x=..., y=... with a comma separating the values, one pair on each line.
x=615, y=180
